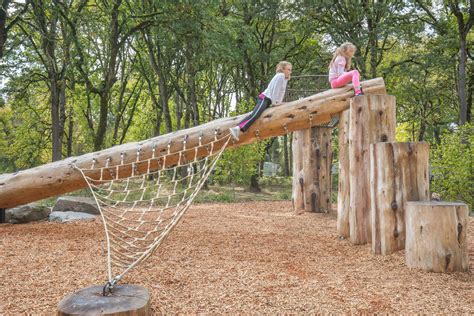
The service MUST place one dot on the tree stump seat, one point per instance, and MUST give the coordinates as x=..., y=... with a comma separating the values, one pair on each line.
x=436, y=234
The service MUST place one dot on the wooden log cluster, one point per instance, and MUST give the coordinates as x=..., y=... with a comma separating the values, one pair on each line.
x=384, y=192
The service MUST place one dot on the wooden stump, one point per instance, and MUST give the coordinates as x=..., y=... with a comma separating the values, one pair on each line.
x=343, y=199
x=372, y=120
x=312, y=157
x=436, y=236
x=317, y=156
x=125, y=300
x=298, y=177
x=399, y=172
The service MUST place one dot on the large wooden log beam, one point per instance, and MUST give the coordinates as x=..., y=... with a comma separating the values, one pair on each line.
x=61, y=177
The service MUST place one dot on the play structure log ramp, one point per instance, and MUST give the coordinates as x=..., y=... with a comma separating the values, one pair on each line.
x=61, y=177
x=371, y=120
x=398, y=173
x=312, y=157
x=436, y=236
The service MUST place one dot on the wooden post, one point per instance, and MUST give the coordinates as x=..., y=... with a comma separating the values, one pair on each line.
x=317, y=154
x=399, y=172
x=312, y=155
x=372, y=120
x=343, y=197
x=298, y=177
x=436, y=236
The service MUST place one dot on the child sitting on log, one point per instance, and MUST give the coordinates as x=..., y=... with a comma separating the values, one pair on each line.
x=273, y=95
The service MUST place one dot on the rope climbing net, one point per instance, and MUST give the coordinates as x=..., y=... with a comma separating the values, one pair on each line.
x=142, y=201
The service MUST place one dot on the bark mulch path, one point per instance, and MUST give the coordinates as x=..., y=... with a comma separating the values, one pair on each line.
x=256, y=257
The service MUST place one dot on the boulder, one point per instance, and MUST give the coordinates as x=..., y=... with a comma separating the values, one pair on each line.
x=27, y=213
x=76, y=204
x=63, y=217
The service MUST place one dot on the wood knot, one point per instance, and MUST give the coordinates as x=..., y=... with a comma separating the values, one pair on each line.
x=395, y=233
x=380, y=112
x=394, y=205
x=384, y=138
x=359, y=109
x=290, y=116
x=448, y=260
x=459, y=232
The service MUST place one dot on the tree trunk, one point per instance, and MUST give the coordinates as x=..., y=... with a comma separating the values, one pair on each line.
x=462, y=81
x=470, y=100
x=399, y=172
x=297, y=196
x=102, y=126
x=157, y=65
x=70, y=133
x=343, y=195
x=372, y=119
x=254, y=186
x=3, y=26
x=108, y=77
x=436, y=238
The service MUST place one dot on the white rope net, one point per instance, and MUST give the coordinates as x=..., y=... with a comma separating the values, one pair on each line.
x=139, y=210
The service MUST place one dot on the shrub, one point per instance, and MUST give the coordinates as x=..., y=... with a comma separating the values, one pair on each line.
x=452, y=164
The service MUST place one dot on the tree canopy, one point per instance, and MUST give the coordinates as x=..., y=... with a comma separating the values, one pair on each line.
x=83, y=75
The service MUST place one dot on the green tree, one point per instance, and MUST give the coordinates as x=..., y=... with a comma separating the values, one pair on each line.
x=452, y=162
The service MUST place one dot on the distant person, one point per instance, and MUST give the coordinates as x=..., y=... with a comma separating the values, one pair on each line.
x=339, y=68
x=273, y=95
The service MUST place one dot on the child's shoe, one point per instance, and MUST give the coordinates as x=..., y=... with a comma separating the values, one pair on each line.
x=235, y=132
x=360, y=92
x=333, y=122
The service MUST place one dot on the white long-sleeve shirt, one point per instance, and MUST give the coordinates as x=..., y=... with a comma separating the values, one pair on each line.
x=337, y=68
x=276, y=88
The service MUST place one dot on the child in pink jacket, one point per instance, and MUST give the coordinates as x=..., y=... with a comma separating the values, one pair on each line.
x=339, y=68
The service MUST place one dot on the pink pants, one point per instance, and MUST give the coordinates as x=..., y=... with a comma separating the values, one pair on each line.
x=345, y=78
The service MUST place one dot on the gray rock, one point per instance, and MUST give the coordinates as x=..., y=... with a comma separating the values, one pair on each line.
x=63, y=217
x=76, y=204
x=26, y=213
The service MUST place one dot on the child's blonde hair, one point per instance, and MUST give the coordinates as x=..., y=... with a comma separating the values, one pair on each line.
x=340, y=52
x=282, y=65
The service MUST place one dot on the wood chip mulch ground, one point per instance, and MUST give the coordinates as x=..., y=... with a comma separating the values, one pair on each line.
x=256, y=257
